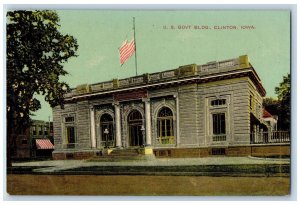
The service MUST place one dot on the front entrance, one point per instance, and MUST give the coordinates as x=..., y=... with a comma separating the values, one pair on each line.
x=135, y=122
x=106, y=123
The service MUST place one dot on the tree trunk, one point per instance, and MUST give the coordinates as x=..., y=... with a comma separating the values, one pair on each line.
x=9, y=138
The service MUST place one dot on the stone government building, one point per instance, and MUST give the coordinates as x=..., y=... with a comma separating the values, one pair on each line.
x=191, y=111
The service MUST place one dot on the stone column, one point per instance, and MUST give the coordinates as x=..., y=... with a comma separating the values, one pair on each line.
x=93, y=133
x=118, y=124
x=177, y=121
x=148, y=121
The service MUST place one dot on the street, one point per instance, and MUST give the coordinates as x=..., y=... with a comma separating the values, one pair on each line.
x=146, y=185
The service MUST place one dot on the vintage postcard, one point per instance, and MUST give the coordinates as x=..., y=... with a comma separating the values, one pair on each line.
x=148, y=102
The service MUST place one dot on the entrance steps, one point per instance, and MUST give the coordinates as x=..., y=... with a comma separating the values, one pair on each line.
x=122, y=155
x=124, y=152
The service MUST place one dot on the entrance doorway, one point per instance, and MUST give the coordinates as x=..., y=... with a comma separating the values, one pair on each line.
x=106, y=123
x=135, y=122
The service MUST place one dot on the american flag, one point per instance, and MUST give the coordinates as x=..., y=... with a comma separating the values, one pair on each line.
x=126, y=51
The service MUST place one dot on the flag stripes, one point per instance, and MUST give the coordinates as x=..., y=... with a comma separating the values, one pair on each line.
x=126, y=51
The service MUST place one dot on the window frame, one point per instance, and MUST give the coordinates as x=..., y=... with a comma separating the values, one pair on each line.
x=67, y=125
x=218, y=102
x=252, y=102
x=67, y=137
x=40, y=130
x=45, y=130
x=111, y=127
x=34, y=132
x=219, y=137
x=165, y=127
x=224, y=108
x=219, y=127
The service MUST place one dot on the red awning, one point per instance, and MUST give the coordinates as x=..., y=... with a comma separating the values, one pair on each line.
x=44, y=144
x=266, y=114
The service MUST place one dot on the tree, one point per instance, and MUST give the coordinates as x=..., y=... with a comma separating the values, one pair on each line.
x=36, y=52
x=271, y=105
x=284, y=97
x=282, y=105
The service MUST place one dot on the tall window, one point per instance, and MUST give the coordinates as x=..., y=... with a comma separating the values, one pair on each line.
x=45, y=130
x=218, y=109
x=70, y=131
x=165, y=126
x=106, y=122
x=251, y=103
x=219, y=126
x=34, y=130
x=41, y=130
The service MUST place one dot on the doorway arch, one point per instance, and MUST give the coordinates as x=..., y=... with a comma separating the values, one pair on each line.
x=106, y=122
x=135, y=122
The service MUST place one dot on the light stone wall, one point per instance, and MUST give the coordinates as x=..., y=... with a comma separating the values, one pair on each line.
x=195, y=123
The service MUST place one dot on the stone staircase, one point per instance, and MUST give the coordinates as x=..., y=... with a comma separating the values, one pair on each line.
x=121, y=155
x=124, y=152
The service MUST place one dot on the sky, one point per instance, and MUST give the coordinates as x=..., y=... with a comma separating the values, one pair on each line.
x=262, y=35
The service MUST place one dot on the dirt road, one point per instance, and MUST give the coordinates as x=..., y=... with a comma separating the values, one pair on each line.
x=145, y=185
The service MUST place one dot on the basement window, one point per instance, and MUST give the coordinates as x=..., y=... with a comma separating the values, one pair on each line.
x=218, y=151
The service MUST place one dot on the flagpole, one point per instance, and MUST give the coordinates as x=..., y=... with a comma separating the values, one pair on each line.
x=135, y=46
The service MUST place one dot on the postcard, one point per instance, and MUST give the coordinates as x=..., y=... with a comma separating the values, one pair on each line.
x=148, y=102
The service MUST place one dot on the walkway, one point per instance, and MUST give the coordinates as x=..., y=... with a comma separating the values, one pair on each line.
x=61, y=165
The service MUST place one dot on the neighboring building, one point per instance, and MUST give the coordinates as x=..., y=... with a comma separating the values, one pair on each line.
x=270, y=120
x=194, y=110
x=36, y=141
x=20, y=146
x=41, y=137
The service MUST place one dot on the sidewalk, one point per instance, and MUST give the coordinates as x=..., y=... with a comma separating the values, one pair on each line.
x=159, y=165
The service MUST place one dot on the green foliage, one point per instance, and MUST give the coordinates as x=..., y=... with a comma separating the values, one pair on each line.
x=271, y=105
x=284, y=97
x=282, y=106
x=36, y=52
x=284, y=90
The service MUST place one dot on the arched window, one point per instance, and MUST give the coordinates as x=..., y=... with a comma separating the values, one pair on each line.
x=165, y=126
x=106, y=122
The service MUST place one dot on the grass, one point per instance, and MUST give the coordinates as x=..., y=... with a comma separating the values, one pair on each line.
x=204, y=170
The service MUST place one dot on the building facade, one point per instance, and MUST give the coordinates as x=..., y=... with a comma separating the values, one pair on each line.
x=41, y=139
x=271, y=120
x=25, y=144
x=194, y=110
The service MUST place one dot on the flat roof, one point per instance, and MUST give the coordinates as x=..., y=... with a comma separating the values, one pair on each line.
x=210, y=71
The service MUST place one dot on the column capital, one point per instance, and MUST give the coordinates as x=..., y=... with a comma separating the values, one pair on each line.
x=146, y=100
x=175, y=95
x=116, y=103
x=91, y=107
